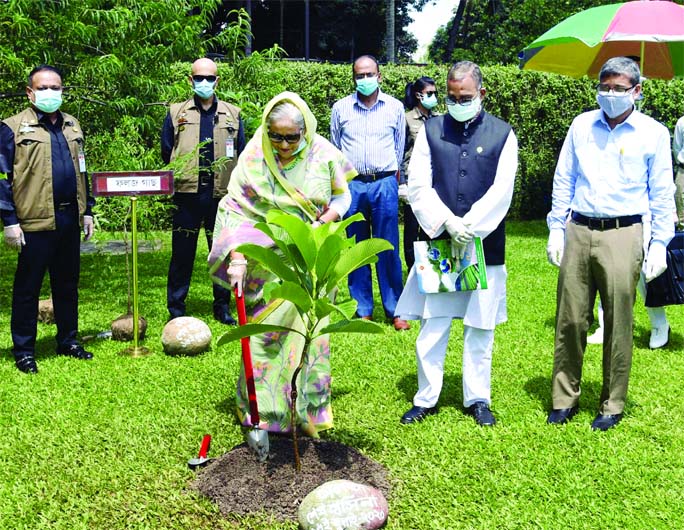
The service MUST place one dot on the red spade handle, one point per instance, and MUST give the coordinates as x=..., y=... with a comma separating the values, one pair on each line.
x=204, y=448
x=247, y=360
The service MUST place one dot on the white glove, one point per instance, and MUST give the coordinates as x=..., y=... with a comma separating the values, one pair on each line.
x=237, y=271
x=88, y=227
x=656, y=261
x=459, y=231
x=403, y=192
x=458, y=250
x=555, y=246
x=14, y=237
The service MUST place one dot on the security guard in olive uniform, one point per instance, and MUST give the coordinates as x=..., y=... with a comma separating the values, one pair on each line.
x=217, y=128
x=44, y=201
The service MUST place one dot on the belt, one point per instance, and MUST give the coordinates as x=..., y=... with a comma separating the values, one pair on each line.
x=63, y=206
x=372, y=177
x=605, y=223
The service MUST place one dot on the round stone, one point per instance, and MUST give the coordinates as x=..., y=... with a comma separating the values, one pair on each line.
x=186, y=336
x=343, y=505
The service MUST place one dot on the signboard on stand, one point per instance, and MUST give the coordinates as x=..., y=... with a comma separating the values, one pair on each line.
x=132, y=184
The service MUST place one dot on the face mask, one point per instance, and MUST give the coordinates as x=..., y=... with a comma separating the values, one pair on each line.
x=614, y=106
x=367, y=85
x=300, y=147
x=429, y=102
x=48, y=100
x=204, y=89
x=465, y=112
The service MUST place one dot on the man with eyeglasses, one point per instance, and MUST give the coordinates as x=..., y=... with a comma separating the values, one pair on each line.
x=209, y=134
x=460, y=185
x=45, y=202
x=614, y=171
x=368, y=126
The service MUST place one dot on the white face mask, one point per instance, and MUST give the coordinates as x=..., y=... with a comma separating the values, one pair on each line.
x=613, y=105
x=465, y=112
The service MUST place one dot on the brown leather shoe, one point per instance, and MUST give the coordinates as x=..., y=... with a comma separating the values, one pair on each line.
x=400, y=325
x=367, y=317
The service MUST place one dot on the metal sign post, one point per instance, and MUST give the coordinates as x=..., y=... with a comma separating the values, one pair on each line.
x=133, y=183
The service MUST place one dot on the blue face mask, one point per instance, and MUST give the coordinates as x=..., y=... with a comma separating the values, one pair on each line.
x=465, y=112
x=429, y=102
x=367, y=85
x=614, y=106
x=204, y=89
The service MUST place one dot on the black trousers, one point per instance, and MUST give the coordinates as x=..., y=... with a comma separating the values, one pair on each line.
x=411, y=229
x=192, y=211
x=58, y=252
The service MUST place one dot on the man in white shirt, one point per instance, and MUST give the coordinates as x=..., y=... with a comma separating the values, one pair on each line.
x=614, y=168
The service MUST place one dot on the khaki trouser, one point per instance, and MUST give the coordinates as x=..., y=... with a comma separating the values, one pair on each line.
x=609, y=262
x=679, y=196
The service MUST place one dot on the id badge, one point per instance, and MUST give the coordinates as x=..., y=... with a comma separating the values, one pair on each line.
x=230, y=148
x=81, y=161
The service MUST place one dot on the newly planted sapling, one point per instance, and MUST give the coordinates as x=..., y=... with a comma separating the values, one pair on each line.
x=309, y=263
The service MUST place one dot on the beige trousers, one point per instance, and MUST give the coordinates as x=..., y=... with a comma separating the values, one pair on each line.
x=609, y=262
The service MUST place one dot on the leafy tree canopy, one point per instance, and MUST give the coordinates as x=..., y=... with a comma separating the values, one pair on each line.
x=113, y=54
x=493, y=31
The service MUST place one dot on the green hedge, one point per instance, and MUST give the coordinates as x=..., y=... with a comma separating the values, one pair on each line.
x=539, y=106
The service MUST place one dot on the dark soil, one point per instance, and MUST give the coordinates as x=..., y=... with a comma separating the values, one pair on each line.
x=240, y=484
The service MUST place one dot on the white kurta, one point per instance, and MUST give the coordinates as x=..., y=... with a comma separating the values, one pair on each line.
x=482, y=308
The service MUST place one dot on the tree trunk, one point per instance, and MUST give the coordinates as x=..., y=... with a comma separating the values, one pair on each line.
x=389, y=20
x=454, y=29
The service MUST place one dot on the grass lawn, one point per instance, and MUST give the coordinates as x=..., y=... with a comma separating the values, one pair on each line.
x=104, y=444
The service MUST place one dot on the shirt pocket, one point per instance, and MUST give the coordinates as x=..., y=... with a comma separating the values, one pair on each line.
x=632, y=168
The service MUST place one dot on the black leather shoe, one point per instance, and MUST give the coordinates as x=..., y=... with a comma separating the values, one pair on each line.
x=76, y=351
x=417, y=414
x=27, y=364
x=222, y=314
x=561, y=416
x=603, y=422
x=480, y=411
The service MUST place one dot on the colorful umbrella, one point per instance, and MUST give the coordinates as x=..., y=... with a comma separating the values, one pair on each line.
x=580, y=44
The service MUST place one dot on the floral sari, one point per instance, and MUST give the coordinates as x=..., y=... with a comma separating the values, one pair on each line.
x=303, y=188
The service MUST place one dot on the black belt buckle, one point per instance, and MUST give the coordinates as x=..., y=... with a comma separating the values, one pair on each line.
x=205, y=182
x=372, y=177
x=603, y=224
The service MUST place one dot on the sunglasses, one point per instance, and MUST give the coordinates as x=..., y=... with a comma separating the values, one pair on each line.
x=289, y=138
x=429, y=93
x=200, y=78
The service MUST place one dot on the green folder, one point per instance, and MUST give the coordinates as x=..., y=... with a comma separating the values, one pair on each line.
x=438, y=271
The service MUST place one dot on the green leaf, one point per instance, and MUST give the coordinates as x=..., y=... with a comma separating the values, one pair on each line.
x=293, y=292
x=328, y=255
x=360, y=254
x=301, y=234
x=352, y=326
x=347, y=308
x=248, y=330
x=270, y=260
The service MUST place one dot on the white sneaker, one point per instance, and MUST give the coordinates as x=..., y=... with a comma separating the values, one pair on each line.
x=660, y=336
x=596, y=337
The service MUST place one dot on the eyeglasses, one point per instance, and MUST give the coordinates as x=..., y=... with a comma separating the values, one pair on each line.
x=200, y=78
x=429, y=93
x=463, y=100
x=289, y=138
x=605, y=90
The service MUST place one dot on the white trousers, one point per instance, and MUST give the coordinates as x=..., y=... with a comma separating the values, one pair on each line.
x=431, y=349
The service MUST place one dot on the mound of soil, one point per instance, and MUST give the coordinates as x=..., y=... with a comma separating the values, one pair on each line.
x=240, y=484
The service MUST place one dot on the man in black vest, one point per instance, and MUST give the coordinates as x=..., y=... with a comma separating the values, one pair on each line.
x=461, y=178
